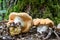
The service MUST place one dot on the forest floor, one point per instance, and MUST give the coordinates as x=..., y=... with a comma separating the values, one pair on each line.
x=33, y=36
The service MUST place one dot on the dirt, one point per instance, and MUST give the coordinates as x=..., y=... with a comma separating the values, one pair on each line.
x=32, y=35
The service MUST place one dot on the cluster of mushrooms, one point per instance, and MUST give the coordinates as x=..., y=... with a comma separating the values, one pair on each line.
x=22, y=23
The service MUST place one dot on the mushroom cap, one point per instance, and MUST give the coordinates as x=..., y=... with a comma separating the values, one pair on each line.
x=49, y=22
x=27, y=20
x=36, y=21
x=12, y=16
x=42, y=21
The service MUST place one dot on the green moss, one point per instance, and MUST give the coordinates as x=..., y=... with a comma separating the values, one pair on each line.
x=39, y=8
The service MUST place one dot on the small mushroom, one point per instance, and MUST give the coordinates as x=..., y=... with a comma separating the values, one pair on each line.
x=43, y=26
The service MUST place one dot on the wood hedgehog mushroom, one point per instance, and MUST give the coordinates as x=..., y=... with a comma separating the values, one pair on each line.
x=44, y=25
x=25, y=22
